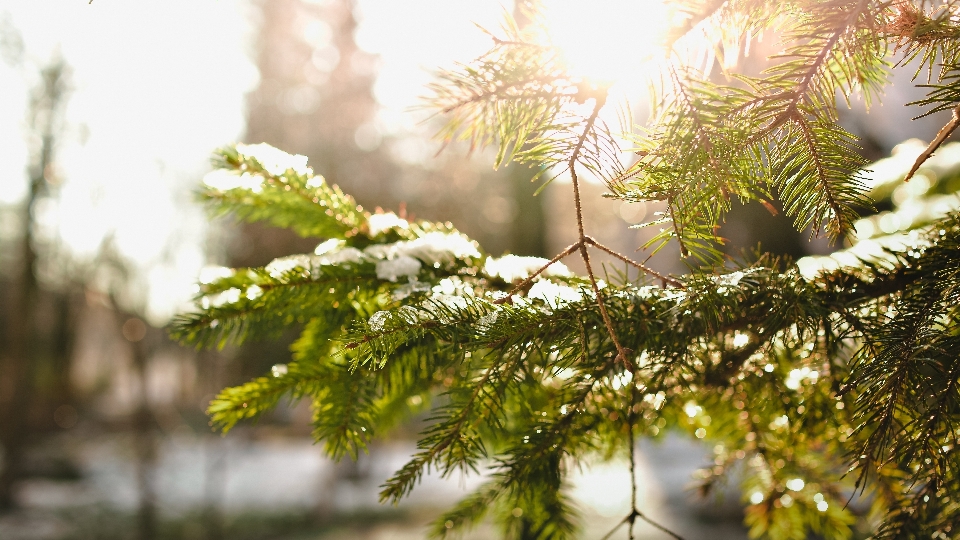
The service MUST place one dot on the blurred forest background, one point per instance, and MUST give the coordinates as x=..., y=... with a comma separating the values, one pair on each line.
x=107, y=118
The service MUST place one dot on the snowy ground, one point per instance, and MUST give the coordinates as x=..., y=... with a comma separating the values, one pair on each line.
x=278, y=474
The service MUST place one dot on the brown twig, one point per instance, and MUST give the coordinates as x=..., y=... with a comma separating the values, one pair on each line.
x=582, y=241
x=641, y=266
x=941, y=137
x=570, y=249
x=632, y=516
x=622, y=353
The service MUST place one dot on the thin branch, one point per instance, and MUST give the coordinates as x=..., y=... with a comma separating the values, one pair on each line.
x=655, y=525
x=584, y=254
x=797, y=95
x=617, y=526
x=666, y=279
x=569, y=249
x=941, y=137
x=630, y=518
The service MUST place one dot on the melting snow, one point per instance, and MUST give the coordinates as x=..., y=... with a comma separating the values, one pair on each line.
x=439, y=304
x=274, y=161
x=278, y=267
x=402, y=266
x=732, y=279
x=486, y=322
x=346, y=255
x=254, y=292
x=329, y=246
x=554, y=295
x=377, y=320
x=411, y=287
x=225, y=180
x=434, y=247
x=380, y=223
x=211, y=273
x=511, y=268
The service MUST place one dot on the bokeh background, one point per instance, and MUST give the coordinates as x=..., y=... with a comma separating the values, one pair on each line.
x=109, y=111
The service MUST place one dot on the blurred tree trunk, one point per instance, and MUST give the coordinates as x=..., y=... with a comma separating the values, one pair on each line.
x=46, y=107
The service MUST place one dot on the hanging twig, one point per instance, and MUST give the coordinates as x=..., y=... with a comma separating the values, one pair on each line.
x=941, y=137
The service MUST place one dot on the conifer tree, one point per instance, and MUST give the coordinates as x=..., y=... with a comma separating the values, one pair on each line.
x=828, y=386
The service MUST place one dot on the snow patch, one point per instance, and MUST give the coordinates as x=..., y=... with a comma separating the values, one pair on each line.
x=402, y=266
x=512, y=268
x=224, y=180
x=348, y=255
x=279, y=267
x=431, y=248
x=254, y=292
x=485, y=323
x=441, y=305
x=274, y=161
x=378, y=320
x=211, y=273
x=333, y=252
x=412, y=286
x=380, y=223
x=553, y=294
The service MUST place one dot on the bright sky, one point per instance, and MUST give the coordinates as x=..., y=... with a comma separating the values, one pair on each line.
x=158, y=86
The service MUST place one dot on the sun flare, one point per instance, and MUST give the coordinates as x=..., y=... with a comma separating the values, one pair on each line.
x=610, y=42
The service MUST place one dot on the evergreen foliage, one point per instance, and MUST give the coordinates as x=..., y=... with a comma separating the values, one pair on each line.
x=828, y=386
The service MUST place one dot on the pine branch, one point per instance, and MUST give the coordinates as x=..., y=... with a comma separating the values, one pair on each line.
x=258, y=182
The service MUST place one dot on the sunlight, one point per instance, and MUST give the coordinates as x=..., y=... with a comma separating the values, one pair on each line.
x=610, y=42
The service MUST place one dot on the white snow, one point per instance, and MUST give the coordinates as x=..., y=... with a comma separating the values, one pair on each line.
x=278, y=267
x=402, y=266
x=454, y=285
x=553, y=294
x=254, y=292
x=274, y=161
x=350, y=255
x=330, y=245
x=431, y=248
x=377, y=320
x=439, y=247
x=512, y=268
x=647, y=292
x=485, y=323
x=228, y=296
x=333, y=252
x=732, y=279
x=412, y=286
x=380, y=223
x=224, y=180
x=438, y=305
x=211, y=273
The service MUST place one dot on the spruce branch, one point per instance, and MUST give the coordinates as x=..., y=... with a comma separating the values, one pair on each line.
x=795, y=375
